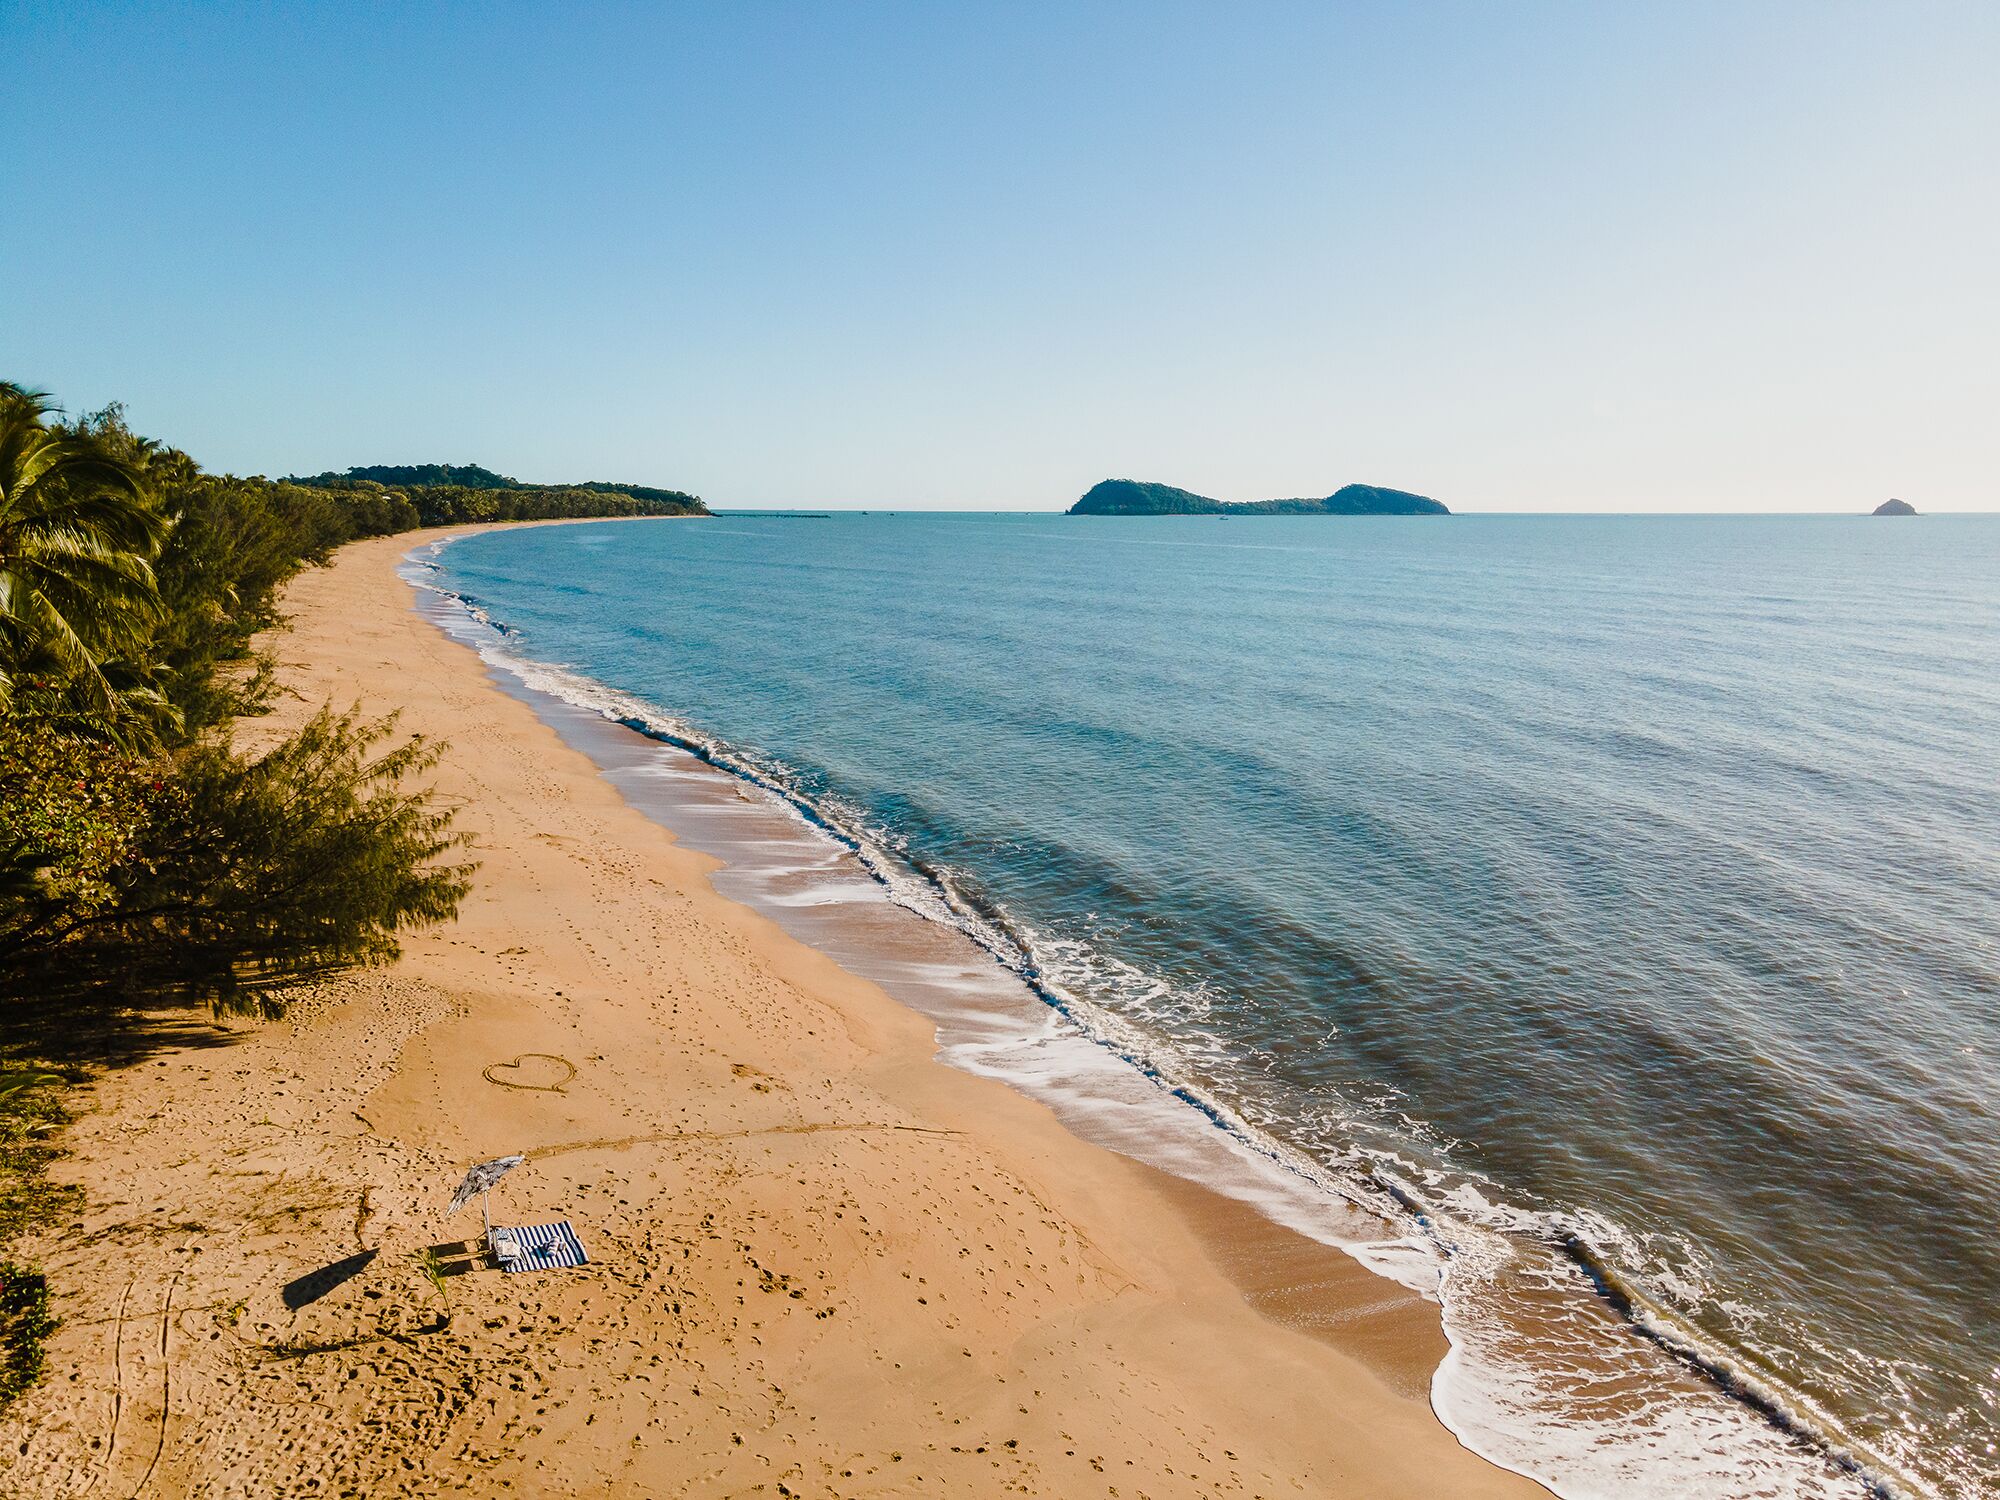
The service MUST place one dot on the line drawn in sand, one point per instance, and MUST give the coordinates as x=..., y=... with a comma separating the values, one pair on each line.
x=490, y=1069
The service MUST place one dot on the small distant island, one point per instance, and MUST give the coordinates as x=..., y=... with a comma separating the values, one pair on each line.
x=458, y=494
x=1135, y=497
x=1895, y=508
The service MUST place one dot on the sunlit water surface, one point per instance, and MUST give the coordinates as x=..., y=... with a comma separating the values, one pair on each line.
x=1614, y=900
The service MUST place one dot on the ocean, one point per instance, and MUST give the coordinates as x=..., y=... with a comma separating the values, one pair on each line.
x=1610, y=906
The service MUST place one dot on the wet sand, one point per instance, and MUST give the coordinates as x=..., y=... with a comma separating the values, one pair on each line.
x=822, y=1263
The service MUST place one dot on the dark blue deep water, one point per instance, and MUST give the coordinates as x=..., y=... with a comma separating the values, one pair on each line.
x=1623, y=891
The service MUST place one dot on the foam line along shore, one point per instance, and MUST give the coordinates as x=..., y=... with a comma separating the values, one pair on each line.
x=1515, y=1387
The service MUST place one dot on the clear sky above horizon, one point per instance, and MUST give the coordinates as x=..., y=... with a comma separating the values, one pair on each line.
x=1525, y=257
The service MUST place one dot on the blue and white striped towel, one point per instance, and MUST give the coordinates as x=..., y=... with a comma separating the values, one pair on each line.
x=544, y=1247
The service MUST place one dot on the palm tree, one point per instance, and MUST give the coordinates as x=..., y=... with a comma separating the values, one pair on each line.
x=77, y=530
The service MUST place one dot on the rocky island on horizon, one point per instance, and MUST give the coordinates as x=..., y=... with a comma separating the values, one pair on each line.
x=1894, y=508
x=1136, y=497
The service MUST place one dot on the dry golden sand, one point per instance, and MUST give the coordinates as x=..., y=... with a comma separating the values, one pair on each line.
x=822, y=1263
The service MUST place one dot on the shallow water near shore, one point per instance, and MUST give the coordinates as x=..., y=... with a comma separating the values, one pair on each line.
x=1588, y=922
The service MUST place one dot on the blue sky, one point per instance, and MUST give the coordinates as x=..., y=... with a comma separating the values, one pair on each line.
x=1521, y=257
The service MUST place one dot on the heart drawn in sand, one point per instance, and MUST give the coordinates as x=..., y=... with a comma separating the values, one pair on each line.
x=530, y=1078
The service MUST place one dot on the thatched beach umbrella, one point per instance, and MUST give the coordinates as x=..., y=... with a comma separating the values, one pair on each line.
x=479, y=1182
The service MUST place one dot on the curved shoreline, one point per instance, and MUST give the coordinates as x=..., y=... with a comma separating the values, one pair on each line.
x=1379, y=1221
x=603, y=717
x=1268, y=1211
x=856, y=909
x=818, y=1257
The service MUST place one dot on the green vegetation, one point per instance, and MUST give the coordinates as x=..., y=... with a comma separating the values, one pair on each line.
x=405, y=476
x=220, y=878
x=30, y=1113
x=434, y=1273
x=460, y=494
x=77, y=537
x=146, y=862
x=1137, y=497
x=25, y=1321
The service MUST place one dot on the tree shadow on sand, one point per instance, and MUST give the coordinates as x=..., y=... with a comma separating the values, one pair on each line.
x=80, y=1039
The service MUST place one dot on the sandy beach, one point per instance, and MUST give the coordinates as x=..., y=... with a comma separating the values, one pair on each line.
x=821, y=1262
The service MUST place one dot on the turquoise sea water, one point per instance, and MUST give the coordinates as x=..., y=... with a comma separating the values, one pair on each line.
x=1616, y=900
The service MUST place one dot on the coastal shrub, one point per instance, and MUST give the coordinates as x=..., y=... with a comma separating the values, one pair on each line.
x=452, y=505
x=25, y=1321
x=72, y=811
x=234, y=544
x=248, y=875
x=280, y=868
x=30, y=1114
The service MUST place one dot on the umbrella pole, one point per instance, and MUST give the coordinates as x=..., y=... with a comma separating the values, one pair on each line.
x=486, y=1218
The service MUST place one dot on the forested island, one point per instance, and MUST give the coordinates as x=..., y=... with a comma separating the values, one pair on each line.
x=1135, y=497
